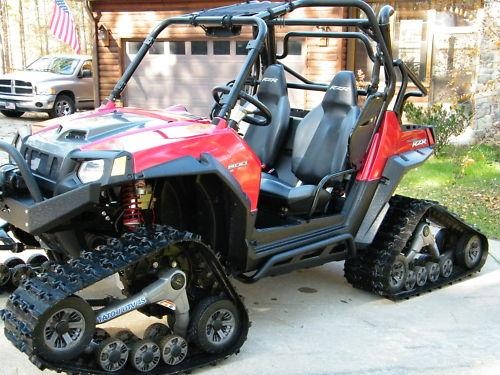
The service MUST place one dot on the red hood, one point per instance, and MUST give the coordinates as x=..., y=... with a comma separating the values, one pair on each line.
x=130, y=129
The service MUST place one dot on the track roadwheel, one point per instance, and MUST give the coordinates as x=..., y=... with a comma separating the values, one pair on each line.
x=446, y=265
x=397, y=274
x=144, y=355
x=469, y=250
x=174, y=349
x=421, y=273
x=411, y=280
x=99, y=336
x=13, y=261
x=36, y=260
x=64, y=330
x=4, y=274
x=156, y=331
x=20, y=272
x=112, y=354
x=215, y=324
x=433, y=271
x=125, y=335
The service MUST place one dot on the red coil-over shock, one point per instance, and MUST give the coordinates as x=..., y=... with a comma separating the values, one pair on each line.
x=136, y=197
x=132, y=216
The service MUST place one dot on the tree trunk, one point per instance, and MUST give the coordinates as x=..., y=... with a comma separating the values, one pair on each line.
x=6, y=54
x=22, y=40
x=83, y=40
x=46, y=30
x=41, y=32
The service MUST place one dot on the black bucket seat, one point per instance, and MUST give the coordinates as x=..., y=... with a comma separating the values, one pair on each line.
x=320, y=148
x=266, y=141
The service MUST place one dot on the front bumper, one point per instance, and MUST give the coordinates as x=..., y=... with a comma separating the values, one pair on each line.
x=27, y=103
x=36, y=218
x=23, y=206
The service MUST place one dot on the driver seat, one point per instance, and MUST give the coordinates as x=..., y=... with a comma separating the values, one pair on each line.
x=320, y=148
x=266, y=141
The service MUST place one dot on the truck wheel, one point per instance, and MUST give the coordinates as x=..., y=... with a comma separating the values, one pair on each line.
x=12, y=114
x=63, y=106
x=65, y=330
x=215, y=324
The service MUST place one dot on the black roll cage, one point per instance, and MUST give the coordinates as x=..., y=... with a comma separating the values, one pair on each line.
x=373, y=27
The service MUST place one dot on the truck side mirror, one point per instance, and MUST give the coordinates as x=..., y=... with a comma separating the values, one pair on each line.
x=86, y=73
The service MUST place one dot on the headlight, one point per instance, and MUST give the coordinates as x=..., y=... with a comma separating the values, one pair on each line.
x=45, y=90
x=91, y=170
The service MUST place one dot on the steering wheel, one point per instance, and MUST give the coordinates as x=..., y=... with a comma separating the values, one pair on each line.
x=261, y=118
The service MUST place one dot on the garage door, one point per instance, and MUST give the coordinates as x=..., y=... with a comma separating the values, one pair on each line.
x=184, y=72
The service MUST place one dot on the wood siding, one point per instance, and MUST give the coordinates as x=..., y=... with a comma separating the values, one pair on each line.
x=135, y=21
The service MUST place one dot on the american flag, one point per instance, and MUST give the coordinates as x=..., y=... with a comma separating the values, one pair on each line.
x=62, y=25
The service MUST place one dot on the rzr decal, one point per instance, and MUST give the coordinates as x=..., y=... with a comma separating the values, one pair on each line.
x=240, y=164
x=419, y=142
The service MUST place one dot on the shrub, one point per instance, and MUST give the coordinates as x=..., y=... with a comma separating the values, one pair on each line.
x=445, y=122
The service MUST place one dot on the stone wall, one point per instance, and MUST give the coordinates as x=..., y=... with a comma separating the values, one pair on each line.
x=487, y=98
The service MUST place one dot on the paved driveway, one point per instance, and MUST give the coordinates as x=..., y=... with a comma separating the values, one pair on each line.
x=313, y=322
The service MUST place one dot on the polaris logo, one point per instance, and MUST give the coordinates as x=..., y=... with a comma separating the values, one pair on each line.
x=108, y=315
x=419, y=142
x=339, y=88
x=272, y=80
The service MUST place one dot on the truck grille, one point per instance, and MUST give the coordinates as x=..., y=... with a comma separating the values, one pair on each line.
x=15, y=87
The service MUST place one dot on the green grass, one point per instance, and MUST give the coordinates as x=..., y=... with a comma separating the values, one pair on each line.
x=466, y=180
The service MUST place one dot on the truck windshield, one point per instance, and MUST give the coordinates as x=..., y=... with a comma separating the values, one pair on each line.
x=58, y=65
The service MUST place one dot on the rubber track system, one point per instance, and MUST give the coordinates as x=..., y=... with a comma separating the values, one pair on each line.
x=36, y=295
x=366, y=271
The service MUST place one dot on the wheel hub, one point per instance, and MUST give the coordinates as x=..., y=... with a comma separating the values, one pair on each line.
x=421, y=275
x=62, y=327
x=411, y=280
x=220, y=326
x=473, y=250
x=217, y=325
x=148, y=357
x=398, y=273
x=114, y=356
x=173, y=349
x=447, y=268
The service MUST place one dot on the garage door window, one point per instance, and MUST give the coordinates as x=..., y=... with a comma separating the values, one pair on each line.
x=168, y=78
x=241, y=47
x=177, y=48
x=157, y=49
x=295, y=47
x=222, y=47
x=199, y=48
x=133, y=47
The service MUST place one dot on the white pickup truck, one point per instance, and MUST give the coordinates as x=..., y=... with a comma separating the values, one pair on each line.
x=58, y=85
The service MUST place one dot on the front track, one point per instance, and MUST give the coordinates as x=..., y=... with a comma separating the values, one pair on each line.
x=35, y=296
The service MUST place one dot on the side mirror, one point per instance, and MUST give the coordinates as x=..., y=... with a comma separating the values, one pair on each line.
x=86, y=73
